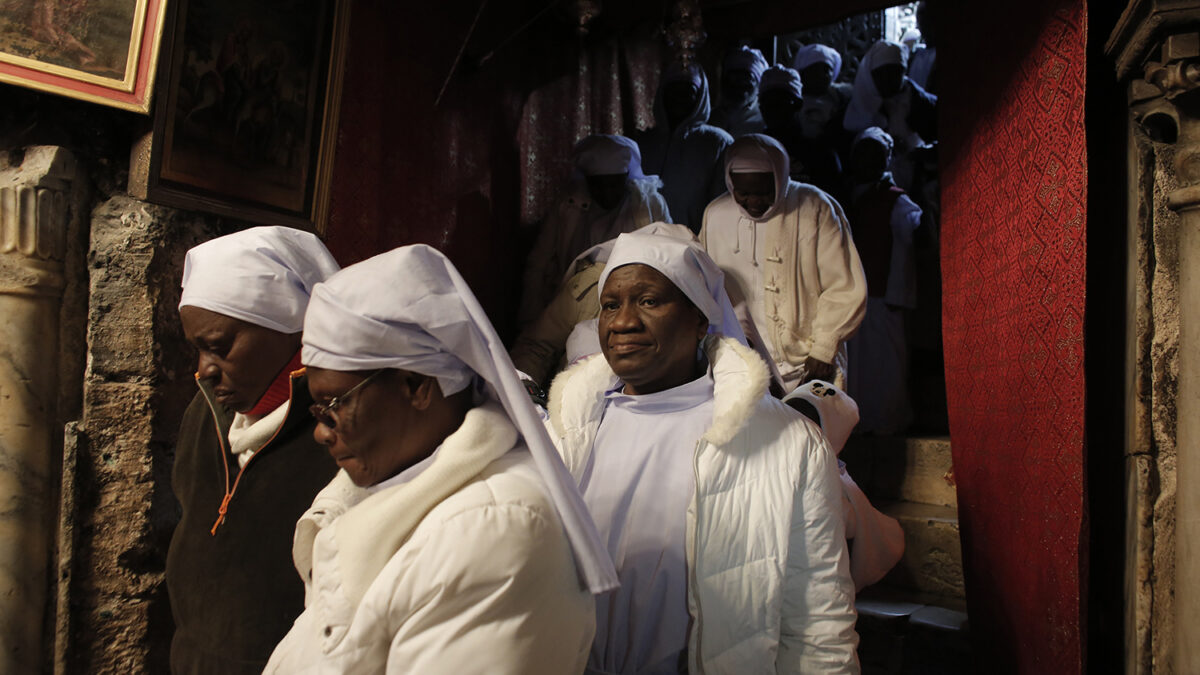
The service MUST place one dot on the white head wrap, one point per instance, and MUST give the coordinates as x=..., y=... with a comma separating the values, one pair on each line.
x=605, y=154
x=875, y=134
x=263, y=276
x=781, y=77
x=863, y=110
x=754, y=153
x=838, y=412
x=810, y=54
x=600, y=252
x=745, y=58
x=687, y=266
x=410, y=309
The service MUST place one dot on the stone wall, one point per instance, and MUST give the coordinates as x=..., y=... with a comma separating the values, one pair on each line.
x=125, y=379
x=121, y=512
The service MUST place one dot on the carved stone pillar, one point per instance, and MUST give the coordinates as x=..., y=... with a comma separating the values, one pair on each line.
x=34, y=214
x=1157, y=50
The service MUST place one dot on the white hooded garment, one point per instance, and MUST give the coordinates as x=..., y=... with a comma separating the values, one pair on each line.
x=793, y=273
x=475, y=564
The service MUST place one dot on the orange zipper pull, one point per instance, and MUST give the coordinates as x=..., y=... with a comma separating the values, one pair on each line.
x=221, y=512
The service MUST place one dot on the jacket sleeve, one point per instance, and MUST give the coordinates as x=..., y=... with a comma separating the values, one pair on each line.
x=842, y=302
x=538, y=349
x=492, y=590
x=817, y=623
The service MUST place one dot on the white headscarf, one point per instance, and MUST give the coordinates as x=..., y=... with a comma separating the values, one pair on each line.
x=759, y=153
x=687, y=266
x=600, y=252
x=747, y=59
x=781, y=77
x=410, y=309
x=605, y=154
x=263, y=276
x=810, y=54
x=863, y=110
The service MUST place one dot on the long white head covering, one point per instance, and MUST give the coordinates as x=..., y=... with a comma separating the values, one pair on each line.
x=600, y=252
x=863, y=110
x=759, y=153
x=687, y=266
x=263, y=275
x=606, y=154
x=410, y=309
x=781, y=77
x=747, y=59
x=810, y=54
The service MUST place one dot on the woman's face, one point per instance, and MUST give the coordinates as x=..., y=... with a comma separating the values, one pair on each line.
x=372, y=439
x=240, y=358
x=649, y=330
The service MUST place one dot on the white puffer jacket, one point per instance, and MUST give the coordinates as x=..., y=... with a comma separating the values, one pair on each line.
x=485, y=582
x=770, y=588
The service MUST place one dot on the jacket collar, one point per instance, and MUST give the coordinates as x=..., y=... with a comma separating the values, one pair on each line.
x=740, y=380
x=298, y=407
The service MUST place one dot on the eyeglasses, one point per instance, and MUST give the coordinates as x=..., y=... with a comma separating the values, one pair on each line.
x=327, y=413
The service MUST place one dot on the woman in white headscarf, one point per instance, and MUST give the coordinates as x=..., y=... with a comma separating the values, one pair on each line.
x=539, y=349
x=608, y=194
x=453, y=540
x=246, y=465
x=720, y=505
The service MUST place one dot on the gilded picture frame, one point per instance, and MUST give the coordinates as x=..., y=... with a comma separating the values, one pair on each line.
x=101, y=51
x=246, y=119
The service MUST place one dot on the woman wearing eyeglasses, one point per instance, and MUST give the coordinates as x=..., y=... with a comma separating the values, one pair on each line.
x=452, y=540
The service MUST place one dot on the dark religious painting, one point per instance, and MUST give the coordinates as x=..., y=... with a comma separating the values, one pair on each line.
x=104, y=51
x=246, y=121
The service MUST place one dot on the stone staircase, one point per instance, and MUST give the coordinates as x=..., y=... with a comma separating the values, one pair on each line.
x=914, y=621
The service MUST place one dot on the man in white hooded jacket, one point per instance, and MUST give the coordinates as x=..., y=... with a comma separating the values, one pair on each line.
x=790, y=263
x=452, y=540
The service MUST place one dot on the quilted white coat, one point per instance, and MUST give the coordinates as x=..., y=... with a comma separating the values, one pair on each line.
x=484, y=583
x=769, y=582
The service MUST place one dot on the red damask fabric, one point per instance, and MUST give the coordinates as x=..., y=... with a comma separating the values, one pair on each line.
x=1014, y=191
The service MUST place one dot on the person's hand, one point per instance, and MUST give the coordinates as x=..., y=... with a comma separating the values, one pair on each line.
x=818, y=370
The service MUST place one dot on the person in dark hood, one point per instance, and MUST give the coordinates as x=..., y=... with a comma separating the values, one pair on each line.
x=738, y=111
x=682, y=148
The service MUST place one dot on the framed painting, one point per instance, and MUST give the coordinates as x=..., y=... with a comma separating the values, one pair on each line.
x=246, y=118
x=103, y=51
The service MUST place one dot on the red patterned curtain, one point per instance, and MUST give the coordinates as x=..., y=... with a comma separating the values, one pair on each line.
x=1014, y=194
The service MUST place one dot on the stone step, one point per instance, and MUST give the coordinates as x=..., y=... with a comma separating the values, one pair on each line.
x=896, y=468
x=932, y=561
x=903, y=633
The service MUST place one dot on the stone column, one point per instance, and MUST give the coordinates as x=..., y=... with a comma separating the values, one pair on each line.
x=34, y=213
x=1158, y=51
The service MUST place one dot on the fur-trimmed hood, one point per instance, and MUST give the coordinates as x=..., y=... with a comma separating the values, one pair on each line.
x=740, y=381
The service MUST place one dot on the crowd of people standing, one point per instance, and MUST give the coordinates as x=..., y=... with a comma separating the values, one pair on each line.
x=645, y=481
